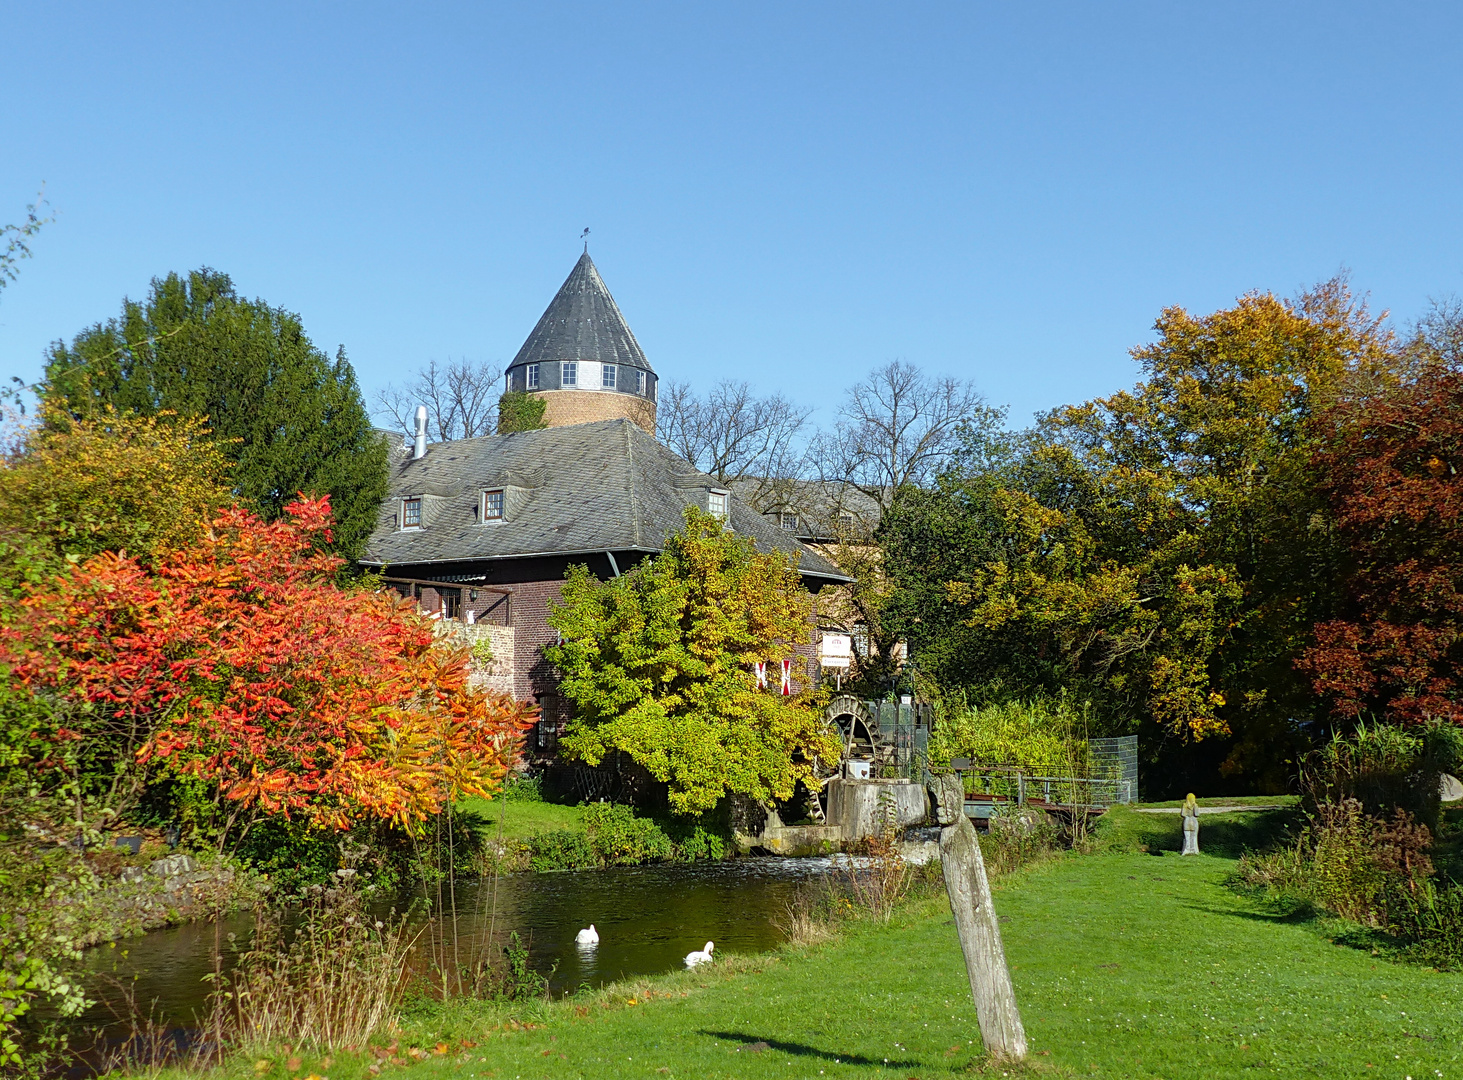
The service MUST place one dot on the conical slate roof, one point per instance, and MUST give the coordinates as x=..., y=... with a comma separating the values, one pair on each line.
x=582, y=322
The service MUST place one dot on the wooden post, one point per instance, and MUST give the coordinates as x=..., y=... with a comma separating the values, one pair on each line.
x=975, y=922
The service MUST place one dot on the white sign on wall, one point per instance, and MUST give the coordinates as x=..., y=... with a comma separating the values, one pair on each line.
x=836, y=651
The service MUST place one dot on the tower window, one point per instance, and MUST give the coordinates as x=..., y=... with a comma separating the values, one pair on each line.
x=569, y=374
x=493, y=505
x=411, y=513
x=533, y=376
x=640, y=383
x=607, y=380
x=717, y=504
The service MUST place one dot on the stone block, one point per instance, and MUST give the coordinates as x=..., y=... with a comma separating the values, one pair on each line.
x=863, y=808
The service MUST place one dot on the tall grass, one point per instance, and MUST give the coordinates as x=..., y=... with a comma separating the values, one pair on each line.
x=332, y=979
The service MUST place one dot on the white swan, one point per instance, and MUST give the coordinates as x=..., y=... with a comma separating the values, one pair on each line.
x=700, y=956
x=587, y=937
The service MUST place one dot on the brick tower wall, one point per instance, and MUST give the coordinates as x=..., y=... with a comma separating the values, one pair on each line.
x=565, y=407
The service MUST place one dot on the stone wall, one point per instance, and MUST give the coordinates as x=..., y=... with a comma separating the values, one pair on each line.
x=492, y=649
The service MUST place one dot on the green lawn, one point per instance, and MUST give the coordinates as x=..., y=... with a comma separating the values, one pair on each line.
x=522, y=819
x=1233, y=800
x=1125, y=965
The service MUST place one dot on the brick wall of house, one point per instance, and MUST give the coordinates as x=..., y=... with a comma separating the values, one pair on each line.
x=566, y=407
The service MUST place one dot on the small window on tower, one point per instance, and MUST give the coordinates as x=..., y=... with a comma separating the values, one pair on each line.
x=717, y=504
x=607, y=380
x=640, y=383
x=493, y=505
x=411, y=513
x=533, y=376
x=569, y=374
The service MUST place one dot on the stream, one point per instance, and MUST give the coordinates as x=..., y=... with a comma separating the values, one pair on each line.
x=648, y=919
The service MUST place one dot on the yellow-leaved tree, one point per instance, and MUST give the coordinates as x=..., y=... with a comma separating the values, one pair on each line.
x=659, y=664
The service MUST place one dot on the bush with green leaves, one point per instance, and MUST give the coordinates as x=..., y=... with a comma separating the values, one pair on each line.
x=620, y=838
x=561, y=849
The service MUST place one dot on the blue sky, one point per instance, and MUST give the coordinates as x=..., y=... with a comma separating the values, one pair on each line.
x=786, y=193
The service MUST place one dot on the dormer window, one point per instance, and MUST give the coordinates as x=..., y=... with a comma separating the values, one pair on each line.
x=607, y=379
x=569, y=373
x=790, y=522
x=718, y=503
x=533, y=376
x=411, y=513
x=493, y=505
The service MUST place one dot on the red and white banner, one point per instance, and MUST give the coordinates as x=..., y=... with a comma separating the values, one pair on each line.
x=786, y=678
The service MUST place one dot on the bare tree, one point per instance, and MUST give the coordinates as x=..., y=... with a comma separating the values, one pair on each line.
x=461, y=399
x=733, y=434
x=898, y=426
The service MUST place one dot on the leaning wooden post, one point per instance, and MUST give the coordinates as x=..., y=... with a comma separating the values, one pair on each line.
x=975, y=922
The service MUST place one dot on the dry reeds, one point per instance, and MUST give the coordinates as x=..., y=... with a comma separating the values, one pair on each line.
x=334, y=982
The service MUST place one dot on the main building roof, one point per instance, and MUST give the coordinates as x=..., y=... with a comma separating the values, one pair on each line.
x=575, y=490
x=582, y=322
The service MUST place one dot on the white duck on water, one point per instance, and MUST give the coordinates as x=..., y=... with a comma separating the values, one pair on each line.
x=587, y=937
x=700, y=956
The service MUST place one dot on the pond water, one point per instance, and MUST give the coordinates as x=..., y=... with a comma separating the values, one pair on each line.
x=648, y=918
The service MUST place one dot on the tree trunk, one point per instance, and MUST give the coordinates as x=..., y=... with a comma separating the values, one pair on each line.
x=975, y=922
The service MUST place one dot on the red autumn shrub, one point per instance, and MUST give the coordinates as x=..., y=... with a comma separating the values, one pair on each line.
x=240, y=661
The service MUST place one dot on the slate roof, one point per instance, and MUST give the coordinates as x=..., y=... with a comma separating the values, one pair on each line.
x=582, y=322
x=574, y=490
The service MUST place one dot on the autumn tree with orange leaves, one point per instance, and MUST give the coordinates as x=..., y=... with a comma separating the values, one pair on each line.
x=238, y=663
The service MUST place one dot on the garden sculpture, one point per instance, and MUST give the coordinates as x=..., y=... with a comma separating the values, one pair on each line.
x=1191, y=826
x=975, y=922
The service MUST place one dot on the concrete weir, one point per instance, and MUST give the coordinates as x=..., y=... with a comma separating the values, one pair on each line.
x=856, y=809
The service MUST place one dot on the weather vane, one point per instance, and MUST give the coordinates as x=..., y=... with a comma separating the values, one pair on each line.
x=585, y=237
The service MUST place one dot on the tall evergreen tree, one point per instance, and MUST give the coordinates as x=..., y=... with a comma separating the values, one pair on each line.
x=288, y=417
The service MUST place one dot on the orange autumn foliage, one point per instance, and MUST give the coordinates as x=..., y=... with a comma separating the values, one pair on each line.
x=246, y=665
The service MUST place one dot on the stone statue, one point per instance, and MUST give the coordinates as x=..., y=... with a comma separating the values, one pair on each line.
x=1191, y=825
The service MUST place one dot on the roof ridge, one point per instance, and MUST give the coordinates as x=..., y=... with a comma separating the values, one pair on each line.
x=630, y=459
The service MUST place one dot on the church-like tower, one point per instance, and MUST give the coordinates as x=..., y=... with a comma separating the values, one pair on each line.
x=582, y=358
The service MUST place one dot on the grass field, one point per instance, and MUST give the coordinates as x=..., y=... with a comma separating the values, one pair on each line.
x=1125, y=965
x=1232, y=800
x=521, y=819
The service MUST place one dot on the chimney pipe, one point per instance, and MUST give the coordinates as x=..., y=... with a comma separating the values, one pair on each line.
x=420, y=449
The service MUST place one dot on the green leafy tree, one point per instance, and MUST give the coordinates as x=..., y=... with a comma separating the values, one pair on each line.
x=118, y=482
x=1163, y=550
x=288, y=418
x=520, y=411
x=658, y=664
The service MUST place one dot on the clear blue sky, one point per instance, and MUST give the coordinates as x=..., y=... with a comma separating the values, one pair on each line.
x=787, y=193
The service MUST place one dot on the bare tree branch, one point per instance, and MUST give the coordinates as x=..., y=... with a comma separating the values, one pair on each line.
x=898, y=426
x=461, y=399
x=733, y=434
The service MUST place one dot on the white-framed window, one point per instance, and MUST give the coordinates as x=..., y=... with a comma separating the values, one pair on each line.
x=533, y=376
x=607, y=377
x=640, y=382
x=790, y=522
x=493, y=505
x=569, y=373
x=718, y=504
x=411, y=513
